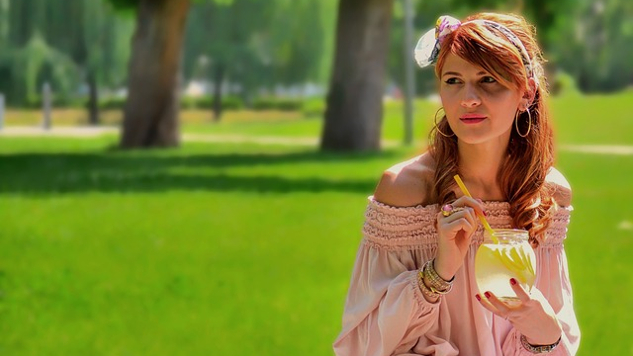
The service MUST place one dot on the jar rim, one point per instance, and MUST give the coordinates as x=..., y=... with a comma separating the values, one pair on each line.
x=508, y=235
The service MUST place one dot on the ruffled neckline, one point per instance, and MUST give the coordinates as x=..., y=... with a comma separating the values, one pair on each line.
x=490, y=203
x=399, y=227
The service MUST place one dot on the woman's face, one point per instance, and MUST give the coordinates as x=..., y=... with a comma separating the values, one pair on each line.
x=478, y=108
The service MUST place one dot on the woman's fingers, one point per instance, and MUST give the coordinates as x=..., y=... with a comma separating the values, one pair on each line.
x=502, y=308
x=486, y=304
x=461, y=224
x=462, y=208
x=462, y=220
x=464, y=201
x=519, y=291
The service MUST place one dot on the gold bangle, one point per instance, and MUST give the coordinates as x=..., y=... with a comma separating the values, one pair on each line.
x=426, y=290
x=438, y=284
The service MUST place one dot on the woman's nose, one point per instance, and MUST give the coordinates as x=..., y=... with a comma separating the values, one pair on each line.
x=470, y=97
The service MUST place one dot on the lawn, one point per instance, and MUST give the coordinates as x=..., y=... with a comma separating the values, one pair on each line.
x=229, y=249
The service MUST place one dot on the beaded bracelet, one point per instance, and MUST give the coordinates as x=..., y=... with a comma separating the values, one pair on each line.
x=538, y=349
x=438, y=284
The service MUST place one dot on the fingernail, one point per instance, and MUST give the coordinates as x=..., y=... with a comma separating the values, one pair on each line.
x=513, y=281
x=478, y=297
x=487, y=294
x=479, y=200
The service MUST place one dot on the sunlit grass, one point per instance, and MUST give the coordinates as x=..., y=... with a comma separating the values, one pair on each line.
x=185, y=251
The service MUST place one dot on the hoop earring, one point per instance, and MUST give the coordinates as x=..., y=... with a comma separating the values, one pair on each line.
x=516, y=123
x=437, y=128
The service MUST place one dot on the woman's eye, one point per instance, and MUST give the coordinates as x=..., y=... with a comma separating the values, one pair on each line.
x=488, y=79
x=452, y=81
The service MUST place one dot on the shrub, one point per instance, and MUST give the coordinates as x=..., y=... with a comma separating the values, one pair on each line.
x=58, y=102
x=313, y=107
x=229, y=102
x=112, y=103
x=564, y=84
x=283, y=104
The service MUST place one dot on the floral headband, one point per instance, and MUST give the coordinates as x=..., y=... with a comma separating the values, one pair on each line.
x=428, y=48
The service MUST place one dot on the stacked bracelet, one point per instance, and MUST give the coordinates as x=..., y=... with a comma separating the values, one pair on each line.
x=538, y=349
x=438, y=284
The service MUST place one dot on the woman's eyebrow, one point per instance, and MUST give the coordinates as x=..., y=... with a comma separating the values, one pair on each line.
x=459, y=74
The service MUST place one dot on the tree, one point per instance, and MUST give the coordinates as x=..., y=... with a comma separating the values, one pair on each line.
x=150, y=116
x=255, y=44
x=353, y=116
x=593, y=45
x=222, y=34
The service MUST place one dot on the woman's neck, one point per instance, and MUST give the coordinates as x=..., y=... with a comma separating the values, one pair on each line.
x=479, y=166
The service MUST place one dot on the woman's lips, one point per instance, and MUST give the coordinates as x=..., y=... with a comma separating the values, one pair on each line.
x=472, y=118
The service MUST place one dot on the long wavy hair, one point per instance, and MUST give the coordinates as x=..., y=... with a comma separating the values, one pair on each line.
x=522, y=174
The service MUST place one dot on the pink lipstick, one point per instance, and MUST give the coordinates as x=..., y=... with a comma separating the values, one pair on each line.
x=472, y=118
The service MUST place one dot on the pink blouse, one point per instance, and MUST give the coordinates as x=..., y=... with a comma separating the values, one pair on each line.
x=386, y=313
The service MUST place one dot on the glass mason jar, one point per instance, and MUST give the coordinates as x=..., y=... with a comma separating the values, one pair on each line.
x=496, y=263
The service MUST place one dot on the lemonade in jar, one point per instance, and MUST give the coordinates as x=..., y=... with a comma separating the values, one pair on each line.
x=507, y=254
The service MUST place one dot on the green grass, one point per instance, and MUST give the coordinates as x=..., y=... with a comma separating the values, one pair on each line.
x=180, y=252
x=594, y=119
x=247, y=249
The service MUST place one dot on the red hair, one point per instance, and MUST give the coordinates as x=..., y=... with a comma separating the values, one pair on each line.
x=522, y=175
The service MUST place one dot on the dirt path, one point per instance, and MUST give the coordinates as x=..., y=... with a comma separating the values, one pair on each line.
x=90, y=132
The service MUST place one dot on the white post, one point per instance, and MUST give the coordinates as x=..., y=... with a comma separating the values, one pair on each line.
x=46, y=106
x=409, y=74
x=1, y=110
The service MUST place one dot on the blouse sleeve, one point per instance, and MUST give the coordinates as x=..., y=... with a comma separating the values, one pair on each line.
x=385, y=312
x=554, y=283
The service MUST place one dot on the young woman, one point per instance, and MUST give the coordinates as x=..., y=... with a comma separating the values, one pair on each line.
x=413, y=289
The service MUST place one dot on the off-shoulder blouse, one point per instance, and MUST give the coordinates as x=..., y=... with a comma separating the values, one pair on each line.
x=386, y=313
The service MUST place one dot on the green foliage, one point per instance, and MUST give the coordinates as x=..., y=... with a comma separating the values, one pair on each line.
x=106, y=42
x=587, y=39
x=112, y=102
x=133, y=4
x=313, y=107
x=58, y=101
x=124, y=4
x=261, y=44
x=255, y=43
x=229, y=102
x=593, y=44
x=564, y=84
x=30, y=66
x=60, y=42
x=273, y=103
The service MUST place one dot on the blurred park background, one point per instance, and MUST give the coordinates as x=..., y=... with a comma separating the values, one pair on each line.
x=269, y=124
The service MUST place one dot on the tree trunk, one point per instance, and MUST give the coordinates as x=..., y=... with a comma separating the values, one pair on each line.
x=151, y=110
x=354, y=104
x=218, y=78
x=93, y=99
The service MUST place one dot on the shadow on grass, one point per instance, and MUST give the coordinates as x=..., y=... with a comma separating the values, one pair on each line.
x=155, y=171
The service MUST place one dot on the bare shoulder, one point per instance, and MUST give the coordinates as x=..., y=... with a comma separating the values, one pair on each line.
x=408, y=183
x=562, y=189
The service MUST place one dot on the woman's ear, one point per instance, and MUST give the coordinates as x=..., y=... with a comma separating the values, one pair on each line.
x=530, y=93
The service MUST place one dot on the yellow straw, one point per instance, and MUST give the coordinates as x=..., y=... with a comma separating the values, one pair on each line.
x=481, y=217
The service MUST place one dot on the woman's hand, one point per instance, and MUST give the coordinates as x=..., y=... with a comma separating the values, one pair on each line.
x=533, y=316
x=455, y=232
